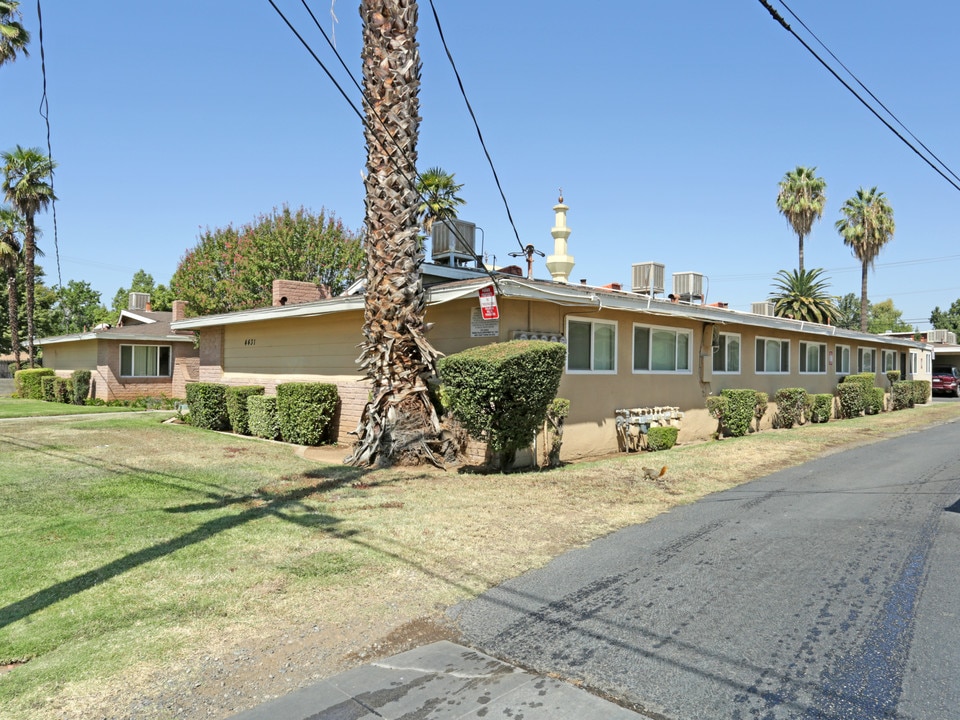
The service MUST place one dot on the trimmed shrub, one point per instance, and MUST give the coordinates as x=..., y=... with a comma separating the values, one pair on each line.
x=28, y=382
x=262, y=417
x=661, y=438
x=500, y=392
x=237, y=406
x=874, y=401
x=762, y=402
x=717, y=406
x=63, y=390
x=304, y=411
x=901, y=395
x=921, y=391
x=852, y=394
x=741, y=406
x=46, y=387
x=821, y=407
x=892, y=376
x=81, y=386
x=791, y=403
x=557, y=413
x=208, y=405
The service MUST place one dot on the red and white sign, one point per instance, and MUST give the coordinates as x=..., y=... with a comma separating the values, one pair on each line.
x=488, y=303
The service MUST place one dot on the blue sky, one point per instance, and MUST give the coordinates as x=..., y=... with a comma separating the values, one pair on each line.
x=667, y=124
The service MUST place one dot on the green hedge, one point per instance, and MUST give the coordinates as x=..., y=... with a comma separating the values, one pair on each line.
x=81, y=386
x=262, y=417
x=305, y=412
x=661, y=438
x=63, y=390
x=852, y=394
x=237, y=406
x=874, y=401
x=46, y=387
x=741, y=406
x=761, y=404
x=28, y=382
x=791, y=403
x=500, y=392
x=921, y=391
x=208, y=405
x=901, y=395
x=820, y=407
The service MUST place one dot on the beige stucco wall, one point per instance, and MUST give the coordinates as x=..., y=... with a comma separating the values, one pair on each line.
x=326, y=348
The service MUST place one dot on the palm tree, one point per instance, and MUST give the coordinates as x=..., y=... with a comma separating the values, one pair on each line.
x=27, y=186
x=13, y=38
x=438, y=197
x=11, y=226
x=803, y=296
x=801, y=200
x=399, y=421
x=866, y=226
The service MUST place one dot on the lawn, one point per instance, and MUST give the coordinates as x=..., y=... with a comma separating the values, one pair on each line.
x=16, y=408
x=130, y=548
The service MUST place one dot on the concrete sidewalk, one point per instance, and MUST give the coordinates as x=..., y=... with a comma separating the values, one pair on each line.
x=441, y=680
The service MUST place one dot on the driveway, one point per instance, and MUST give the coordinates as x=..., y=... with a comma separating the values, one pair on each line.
x=824, y=591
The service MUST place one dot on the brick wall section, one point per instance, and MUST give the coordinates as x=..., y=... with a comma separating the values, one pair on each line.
x=108, y=385
x=211, y=354
x=297, y=292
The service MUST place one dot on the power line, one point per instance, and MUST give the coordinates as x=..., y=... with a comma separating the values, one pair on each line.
x=45, y=114
x=779, y=18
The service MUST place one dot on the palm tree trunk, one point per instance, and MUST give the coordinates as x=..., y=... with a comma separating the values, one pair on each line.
x=399, y=423
x=800, y=236
x=29, y=250
x=864, y=304
x=12, y=314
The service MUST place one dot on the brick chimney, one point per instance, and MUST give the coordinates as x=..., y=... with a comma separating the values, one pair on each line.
x=294, y=292
x=179, y=308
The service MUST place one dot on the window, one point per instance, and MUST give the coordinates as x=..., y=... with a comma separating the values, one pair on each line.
x=773, y=356
x=144, y=361
x=813, y=357
x=726, y=356
x=657, y=349
x=867, y=359
x=888, y=360
x=843, y=359
x=913, y=363
x=591, y=346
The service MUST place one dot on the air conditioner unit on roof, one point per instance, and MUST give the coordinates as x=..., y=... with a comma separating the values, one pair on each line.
x=648, y=278
x=453, y=241
x=763, y=308
x=688, y=286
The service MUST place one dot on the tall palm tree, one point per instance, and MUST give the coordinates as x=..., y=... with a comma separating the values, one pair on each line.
x=801, y=200
x=803, y=295
x=11, y=227
x=866, y=226
x=399, y=421
x=438, y=197
x=27, y=176
x=13, y=37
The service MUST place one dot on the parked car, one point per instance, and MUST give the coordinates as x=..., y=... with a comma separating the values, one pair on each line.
x=946, y=380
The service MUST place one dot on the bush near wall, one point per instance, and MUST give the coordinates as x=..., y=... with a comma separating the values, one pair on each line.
x=63, y=390
x=740, y=411
x=500, y=392
x=46, y=387
x=28, y=382
x=921, y=391
x=81, y=386
x=852, y=394
x=820, y=407
x=661, y=438
x=262, y=417
x=791, y=403
x=874, y=401
x=237, y=406
x=901, y=395
x=761, y=404
x=208, y=406
x=305, y=412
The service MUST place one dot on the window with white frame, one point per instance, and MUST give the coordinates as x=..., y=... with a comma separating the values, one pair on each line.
x=888, y=360
x=726, y=356
x=591, y=346
x=867, y=359
x=913, y=363
x=661, y=350
x=145, y=361
x=813, y=357
x=843, y=359
x=773, y=355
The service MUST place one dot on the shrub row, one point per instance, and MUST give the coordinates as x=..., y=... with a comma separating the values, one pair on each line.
x=735, y=409
x=301, y=413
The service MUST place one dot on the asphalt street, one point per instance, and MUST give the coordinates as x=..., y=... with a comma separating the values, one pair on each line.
x=825, y=591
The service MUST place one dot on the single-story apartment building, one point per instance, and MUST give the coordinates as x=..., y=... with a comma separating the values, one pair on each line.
x=625, y=349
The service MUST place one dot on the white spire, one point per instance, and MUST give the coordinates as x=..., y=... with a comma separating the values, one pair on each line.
x=560, y=263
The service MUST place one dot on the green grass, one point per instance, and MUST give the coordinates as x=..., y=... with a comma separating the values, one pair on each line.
x=16, y=408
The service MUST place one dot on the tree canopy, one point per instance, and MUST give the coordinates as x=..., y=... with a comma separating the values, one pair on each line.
x=233, y=268
x=802, y=295
x=80, y=307
x=885, y=317
x=13, y=37
x=161, y=297
x=946, y=319
x=800, y=200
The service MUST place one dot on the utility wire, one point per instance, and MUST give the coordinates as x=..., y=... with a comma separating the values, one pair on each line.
x=779, y=18
x=369, y=107
x=486, y=152
x=867, y=90
x=45, y=114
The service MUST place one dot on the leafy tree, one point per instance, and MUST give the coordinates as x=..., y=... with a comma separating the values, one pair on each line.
x=848, y=312
x=80, y=307
x=399, y=423
x=161, y=298
x=884, y=317
x=801, y=200
x=13, y=37
x=48, y=318
x=802, y=295
x=866, y=226
x=946, y=320
x=438, y=197
x=27, y=185
x=11, y=229
x=234, y=268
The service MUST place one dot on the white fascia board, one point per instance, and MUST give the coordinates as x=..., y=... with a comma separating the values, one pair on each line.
x=321, y=307
x=131, y=314
x=65, y=339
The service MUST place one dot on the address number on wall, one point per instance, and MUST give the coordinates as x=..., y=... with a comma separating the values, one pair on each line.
x=250, y=341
